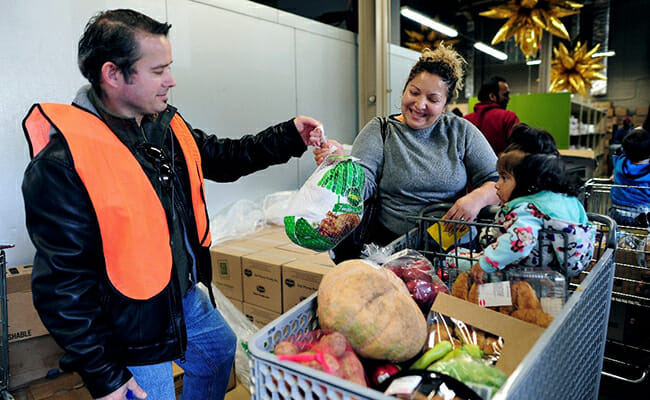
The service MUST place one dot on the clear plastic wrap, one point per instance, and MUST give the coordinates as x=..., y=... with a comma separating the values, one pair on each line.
x=275, y=206
x=243, y=329
x=419, y=276
x=531, y=295
x=240, y=219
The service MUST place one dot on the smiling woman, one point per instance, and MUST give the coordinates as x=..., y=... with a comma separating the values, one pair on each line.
x=427, y=155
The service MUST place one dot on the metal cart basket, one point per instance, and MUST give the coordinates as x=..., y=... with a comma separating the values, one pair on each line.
x=564, y=363
x=4, y=325
x=627, y=351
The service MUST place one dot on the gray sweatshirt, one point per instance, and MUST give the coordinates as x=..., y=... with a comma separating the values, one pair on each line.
x=422, y=167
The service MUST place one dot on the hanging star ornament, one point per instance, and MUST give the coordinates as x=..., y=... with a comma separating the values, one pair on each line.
x=425, y=39
x=574, y=70
x=527, y=19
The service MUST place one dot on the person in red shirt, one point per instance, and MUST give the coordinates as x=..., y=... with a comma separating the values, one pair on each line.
x=490, y=115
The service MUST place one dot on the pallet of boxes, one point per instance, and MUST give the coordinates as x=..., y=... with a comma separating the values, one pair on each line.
x=34, y=372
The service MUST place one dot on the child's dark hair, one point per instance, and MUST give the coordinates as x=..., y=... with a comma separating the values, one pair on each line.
x=534, y=173
x=531, y=140
x=636, y=145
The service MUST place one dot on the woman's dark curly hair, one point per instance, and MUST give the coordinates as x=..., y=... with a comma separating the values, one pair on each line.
x=444, y=62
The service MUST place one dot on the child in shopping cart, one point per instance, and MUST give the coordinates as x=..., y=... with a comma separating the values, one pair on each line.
x=535, y=194
x=631, y=191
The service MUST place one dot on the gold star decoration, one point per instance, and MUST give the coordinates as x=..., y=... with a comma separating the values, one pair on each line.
x=574, y=70
x=527, y=19
x=425, y=39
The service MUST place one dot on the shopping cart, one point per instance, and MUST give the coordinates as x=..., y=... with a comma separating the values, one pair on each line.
x=565, y=362
x=4, y=343
x=627, y=351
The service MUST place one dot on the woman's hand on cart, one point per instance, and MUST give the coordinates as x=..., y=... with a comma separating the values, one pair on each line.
x=464, y=209
x=477, y=273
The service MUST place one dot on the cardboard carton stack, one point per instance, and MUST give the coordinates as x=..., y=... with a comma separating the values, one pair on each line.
x=32, y=352
x=265, y=274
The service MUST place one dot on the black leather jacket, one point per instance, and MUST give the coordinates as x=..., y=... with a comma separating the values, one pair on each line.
x=101, y=330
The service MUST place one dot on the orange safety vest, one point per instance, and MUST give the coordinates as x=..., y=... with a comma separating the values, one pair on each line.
x=133, y=223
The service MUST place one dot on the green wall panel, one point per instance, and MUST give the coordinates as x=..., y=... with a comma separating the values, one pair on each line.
x=549, y=111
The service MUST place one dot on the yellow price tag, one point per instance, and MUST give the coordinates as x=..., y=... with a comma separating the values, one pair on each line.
x=444, y=238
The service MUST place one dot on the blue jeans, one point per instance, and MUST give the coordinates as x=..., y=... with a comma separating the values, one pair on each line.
x=208, y=359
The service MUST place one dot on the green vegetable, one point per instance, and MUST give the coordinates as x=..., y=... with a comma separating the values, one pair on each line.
x=435, y=353
x=469, y=370
x=473, y=350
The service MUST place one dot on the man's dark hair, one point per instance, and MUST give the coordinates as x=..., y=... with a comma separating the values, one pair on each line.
x=636, y=145
x=531, y=140
x=491, y=86
x=111, y=36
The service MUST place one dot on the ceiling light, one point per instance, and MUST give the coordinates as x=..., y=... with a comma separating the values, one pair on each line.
x=424, y=20
x=610, y=53
x=491, y=51
x=533, y=62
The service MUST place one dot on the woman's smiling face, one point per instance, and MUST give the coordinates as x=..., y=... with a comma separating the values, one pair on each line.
x=424, y=100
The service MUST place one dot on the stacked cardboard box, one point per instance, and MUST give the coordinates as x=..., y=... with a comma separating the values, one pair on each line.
x=32, y=352
x=267, y=273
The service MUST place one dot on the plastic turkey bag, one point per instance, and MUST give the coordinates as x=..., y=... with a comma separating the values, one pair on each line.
x=328, y=206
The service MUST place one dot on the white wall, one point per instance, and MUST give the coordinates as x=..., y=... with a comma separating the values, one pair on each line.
x=239, y=67
x=401, y=60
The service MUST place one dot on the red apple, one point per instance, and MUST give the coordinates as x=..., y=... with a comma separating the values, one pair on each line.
x=410, y=274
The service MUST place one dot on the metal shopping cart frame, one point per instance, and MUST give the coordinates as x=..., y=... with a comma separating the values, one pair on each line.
x=564, y=363
x=630, y=361
x=4, y=326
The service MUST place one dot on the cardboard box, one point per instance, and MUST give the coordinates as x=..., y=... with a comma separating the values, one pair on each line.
x=278, y=235
x=642, y=110
x=262, y=279
x=66, y=386
x=232, y=382
x=602, y=105
x=70, y=386
x=518, y=336
x=638, y=120
x=178, y=374
x=239, y=305
x=300, y=279
x=320, y=258
x=249, y=243
x=294, y=248
x=227, y=269
x=258, y=315
x=620, y=111
x=32, y=359
x=24, y=322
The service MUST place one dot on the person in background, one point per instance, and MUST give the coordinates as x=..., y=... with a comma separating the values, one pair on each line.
x=620, y=133
x=115, y=207
x=428, y=155
x=534, y=194
x=631, y=190
x=490, y=115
